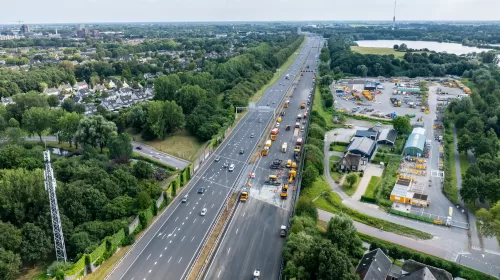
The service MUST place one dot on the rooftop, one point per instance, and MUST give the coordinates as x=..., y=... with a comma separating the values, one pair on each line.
x=374, y=265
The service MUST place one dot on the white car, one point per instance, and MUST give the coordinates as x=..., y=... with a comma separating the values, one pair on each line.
x=277, y=124
x=203, y=211
x=231, y=167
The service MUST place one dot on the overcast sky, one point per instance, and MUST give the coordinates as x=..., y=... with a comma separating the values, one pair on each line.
x=75, y=11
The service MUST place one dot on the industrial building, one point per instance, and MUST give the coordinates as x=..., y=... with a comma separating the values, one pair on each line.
x=415, y=144
x=372, y=134
x=387, y=136
x=363, y=146
x=405, y=191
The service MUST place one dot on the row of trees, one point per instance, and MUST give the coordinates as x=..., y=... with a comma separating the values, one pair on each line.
x=478, y=126
x=343, y=60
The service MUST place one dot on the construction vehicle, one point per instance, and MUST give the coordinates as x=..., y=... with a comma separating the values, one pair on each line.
x=422, y=109
x=283, y=147
x=274, y=133
x=287, y=127
x=297, y=150
x=291, y=164
x=284, y=193
x=273, y=180
x=256, y=274
x=265, y=151
x=303, y=106
x=287, y=76
x=282, y=113
x=287, y=103
x=297, y=124
x=245, y=192
x=276, y=164
x=279, y=119
x=299, y=117
x=367, y=94
x=292, y=175
x=268, y=143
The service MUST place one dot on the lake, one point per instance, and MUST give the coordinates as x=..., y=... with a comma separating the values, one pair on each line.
x=455, y=48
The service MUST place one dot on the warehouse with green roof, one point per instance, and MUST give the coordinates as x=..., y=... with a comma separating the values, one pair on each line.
x=415, y=144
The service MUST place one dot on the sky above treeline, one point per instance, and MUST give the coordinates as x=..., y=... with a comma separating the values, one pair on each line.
x=81, y=11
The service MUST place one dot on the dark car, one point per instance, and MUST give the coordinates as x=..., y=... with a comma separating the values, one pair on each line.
x=201, y=190
x=225, y=164
x=138, y=148
x=217, y=158
x=242, y=151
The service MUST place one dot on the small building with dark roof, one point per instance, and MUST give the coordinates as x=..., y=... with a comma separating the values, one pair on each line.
x=374, y=265
x=412, y=270
x=349, y=162
x=372, y=134
x=387, y=136
x=365, y=147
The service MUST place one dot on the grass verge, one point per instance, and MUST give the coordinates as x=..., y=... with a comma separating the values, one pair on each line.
x=318, y=187
x=331, y=202
x=204, y=256
x=450, y=189
x=338, y=148
x=276, y=75
x=333, y=173
x=180, y=144
x=377, y=51
x=372, y=186
x=107, y=266
x=319, y=109
x=464, y=163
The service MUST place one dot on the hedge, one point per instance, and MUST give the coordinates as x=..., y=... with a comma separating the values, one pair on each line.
x=400, y=252
x=412, y=216
x=152, y=161
x=368, y=199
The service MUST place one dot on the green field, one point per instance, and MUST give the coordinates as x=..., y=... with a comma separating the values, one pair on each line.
x=372, y=186
x=464, y=163
x=350, y=191
x=379, y=51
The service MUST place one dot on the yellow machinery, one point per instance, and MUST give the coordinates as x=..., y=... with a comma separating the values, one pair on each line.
x=273, y=180
x=303, y=106
x=292, y=174
x=279, y=119
x=268, y=143
x=284, y=193
x=367, y=94
x=274, y=133
x=291, y=164
x=265, y=151
x=245, y=192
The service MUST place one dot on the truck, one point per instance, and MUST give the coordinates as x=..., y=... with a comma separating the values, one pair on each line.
x=274, y=133
x=283, y=193
x=283, y=231
x=265, y=151
x=283, y=147
x=273, y=180
x=297, y=150
x=287, y=76
x=292, y=174
x=299, y=117
x=287, y=127
x=291, y=164
x=268, y=143
x=245, y=192
x=287, y=103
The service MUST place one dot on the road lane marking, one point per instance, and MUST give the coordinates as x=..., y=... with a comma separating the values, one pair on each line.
x=243, y=214
x=203, y=221
x=183, y=238
x=228, y=250
x=180, y=260
x=194, y=207
x=155, y=263
x=218, y=275
x=176, y=219
x=150, y=271
x=169, y=259
x=161, y=255
x=148, y=257
x=237, y=230
x=212, y=205
x=194, y=221
x=187, y=218
x=165, y=248
x=190, y=213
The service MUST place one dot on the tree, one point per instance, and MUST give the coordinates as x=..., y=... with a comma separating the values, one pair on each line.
x=68, y=125
x=166, y=87
x=79, y=242
x=36, y=120
x=362, y=70
x=68, y=104
x=143, y=170
x=14, y=135
x=10, y=264
x=10, y=236
x=307, y=207
x=53, y=101
x=136, y=117
x=143, y=200
x=402, y=124
x=120, y=147
x=164, y=117
x=309, y=176
x=465, y=142
x=489, y=221
x=351, y=179
x=188, y=97
x=95, y=131
x=396, y=47
x=403, y=47
x=342, y=232
x=13, y=123
x=35, y=244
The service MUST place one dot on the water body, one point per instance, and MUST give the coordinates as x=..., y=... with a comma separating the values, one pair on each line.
x=455, y=48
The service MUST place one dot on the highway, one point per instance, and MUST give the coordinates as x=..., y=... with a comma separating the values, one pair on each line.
x=144, y=150
x=168, y=248
x=252, y=239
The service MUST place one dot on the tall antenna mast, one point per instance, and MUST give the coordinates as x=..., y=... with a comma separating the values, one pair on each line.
x=50, y=187
x=394, y=17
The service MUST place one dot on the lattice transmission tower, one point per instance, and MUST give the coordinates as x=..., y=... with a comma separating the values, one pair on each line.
x=50, y=187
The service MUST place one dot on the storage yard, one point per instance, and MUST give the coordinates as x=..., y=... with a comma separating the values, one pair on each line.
x=420, y=173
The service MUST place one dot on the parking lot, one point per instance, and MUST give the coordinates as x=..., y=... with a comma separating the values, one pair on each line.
x=385, y=104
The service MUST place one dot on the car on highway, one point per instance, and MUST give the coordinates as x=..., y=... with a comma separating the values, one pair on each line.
x=252, y=135
x=203, y=211
x=277, y=124
x=217, y=159
x=231, y=167
x=201, y=190
x=225, y=165
x=185, y=198
x=242, y=151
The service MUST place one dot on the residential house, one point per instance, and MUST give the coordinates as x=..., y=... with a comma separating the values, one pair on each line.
x=7, y=100
x=350, y=162
x=100, y=88
x=51, y=91
x=83, y=92
x=370, y=133
x=111, y=84
x=80, y=85
x=90, y=109
x=65, y=87
x=374, y=265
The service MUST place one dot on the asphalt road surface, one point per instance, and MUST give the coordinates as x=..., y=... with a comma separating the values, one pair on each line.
x=144, y=150
x=170, y=245
x=252, y=239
